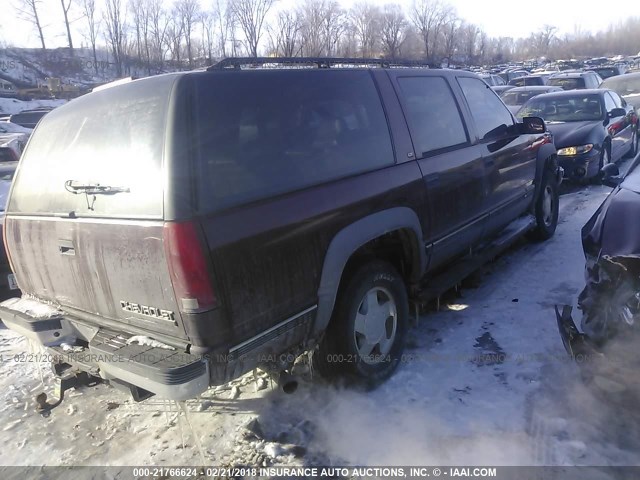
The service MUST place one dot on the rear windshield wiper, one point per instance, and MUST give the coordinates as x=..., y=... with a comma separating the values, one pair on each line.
x=75, y=187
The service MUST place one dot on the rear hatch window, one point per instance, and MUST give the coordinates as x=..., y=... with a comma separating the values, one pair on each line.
x=113, y=137
x=29, y=118
x=567, y=83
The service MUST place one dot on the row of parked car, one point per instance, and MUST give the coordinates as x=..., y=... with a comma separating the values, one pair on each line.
x=594, y=122
x=520, y=77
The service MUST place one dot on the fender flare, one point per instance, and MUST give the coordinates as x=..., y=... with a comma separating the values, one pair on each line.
x=546, y=151
x=352, y=237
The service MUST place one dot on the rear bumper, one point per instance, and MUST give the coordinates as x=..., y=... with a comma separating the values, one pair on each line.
x=165, y=372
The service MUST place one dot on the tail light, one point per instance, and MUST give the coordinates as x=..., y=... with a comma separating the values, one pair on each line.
x=188, y=267
x=3, y=226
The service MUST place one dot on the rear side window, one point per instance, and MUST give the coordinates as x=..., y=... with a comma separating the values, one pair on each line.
x=534, y=81
x=266, y=133
x=113, y=137
x=569, y=83
x=432, y=113
x=489, y=113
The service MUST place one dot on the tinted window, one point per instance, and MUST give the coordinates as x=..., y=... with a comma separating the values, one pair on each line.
x=113, y=137
x=607, y=72
x=533, y=81
x=432, y=113
x=268, y=132
x=489, y=113
x=570, y=83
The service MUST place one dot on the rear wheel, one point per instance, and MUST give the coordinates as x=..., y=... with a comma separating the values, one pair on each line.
x=546, y=208
x=365, y=337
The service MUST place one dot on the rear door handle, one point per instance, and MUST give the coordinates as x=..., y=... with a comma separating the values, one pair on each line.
x=66, y=247
x=488, y=161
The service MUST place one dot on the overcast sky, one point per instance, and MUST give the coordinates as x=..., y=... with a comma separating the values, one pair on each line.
x=509, y=18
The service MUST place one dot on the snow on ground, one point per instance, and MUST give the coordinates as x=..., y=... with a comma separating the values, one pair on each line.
x=12, y=105
x=485, y=381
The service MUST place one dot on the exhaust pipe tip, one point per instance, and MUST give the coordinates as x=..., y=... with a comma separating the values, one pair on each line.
x=287, y=382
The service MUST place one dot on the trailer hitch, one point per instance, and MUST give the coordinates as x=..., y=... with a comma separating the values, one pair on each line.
x=64, y=382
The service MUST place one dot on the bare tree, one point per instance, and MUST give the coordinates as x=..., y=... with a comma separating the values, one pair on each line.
x=322, y=23
x=137, y=8
x=311, y=14
x=66, y=6
x=207, y=20
x=428, y=16
x=348, y=43
x=365, y=18
x=173, y=39
x=285, y=35
x=158, y=26
x=251, y=15
x=468, y=38
x=543, y=39
x=482, y=46
x=392, y=30
x=141, y=11
x=223, y=16
x=114, y=18
x=334, y=23
x=28, y=11
x=450, y=36
x=93, y=26
x=188, y=13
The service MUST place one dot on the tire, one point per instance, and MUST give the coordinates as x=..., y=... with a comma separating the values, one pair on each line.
x=358, y=345
x=605, y=157
x=546, y=208
x=633, y=151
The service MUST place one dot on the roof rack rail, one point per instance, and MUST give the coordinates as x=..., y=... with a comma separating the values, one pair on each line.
x=319, y=62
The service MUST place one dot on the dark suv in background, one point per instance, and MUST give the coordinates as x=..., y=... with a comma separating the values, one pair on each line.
x=188, y=227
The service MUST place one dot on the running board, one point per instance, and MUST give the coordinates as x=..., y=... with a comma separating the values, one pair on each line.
x=435, y=286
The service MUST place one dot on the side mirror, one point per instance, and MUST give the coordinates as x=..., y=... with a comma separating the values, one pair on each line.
x=610, y=175
x=533, y=125
x=617, y=112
